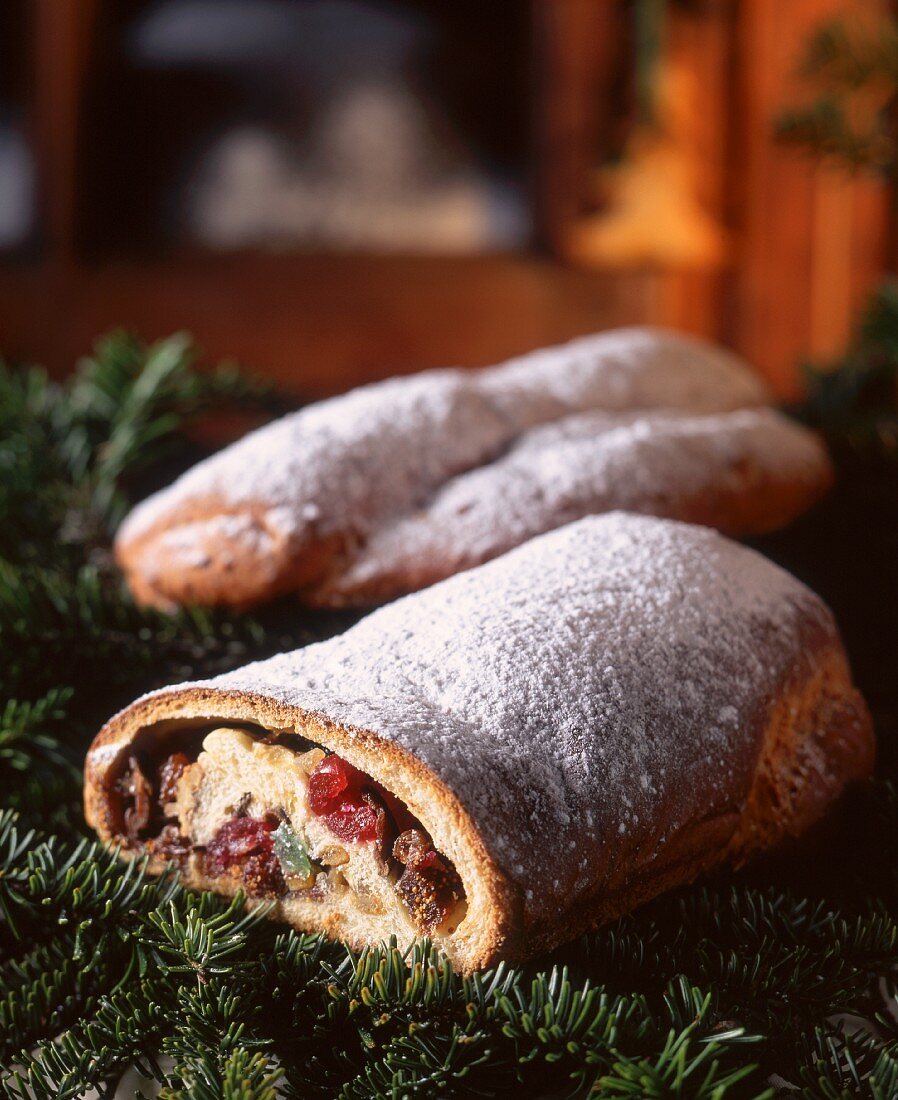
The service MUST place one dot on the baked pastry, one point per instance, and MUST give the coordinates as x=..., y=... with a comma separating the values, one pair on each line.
x=745, y=473
x=509, y=757
x=304, y=504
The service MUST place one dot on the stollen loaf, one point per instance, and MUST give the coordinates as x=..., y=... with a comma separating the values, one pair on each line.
x=509, y=757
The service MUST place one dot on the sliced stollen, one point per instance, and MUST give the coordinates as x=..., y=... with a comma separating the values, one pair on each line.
x=509, y=757
x=295, y=506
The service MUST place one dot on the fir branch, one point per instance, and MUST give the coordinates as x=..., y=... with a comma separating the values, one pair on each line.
x=128, y=402
x=854, y=401
x=848, y=1066
x=214, y=1055
x=29, y=732
x=851, y=71
x=237, y=1075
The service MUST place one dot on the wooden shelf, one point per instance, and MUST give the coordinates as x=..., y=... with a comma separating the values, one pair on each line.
x=806, y=245
x=317, y=323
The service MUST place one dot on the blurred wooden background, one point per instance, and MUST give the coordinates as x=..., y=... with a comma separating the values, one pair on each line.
x=790, y=247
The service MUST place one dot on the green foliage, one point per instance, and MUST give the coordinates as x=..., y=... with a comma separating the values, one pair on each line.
x=851, y=70
x=714, y=993
x=855, y=401
x=73, y=643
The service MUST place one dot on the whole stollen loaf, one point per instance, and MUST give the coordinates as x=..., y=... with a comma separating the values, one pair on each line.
x=564, y=732
x=355, y=500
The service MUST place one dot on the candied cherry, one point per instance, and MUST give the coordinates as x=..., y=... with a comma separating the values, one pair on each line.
x=352, y=821
x=329, y=778
x=239, y=838
x=337, y=793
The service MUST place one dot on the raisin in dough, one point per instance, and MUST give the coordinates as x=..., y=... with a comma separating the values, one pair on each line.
x=564, y=732
x=318, y=502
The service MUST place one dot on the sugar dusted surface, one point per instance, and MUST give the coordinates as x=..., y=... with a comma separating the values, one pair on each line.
x=356, y=462
x=586, y=696
x=582, y=465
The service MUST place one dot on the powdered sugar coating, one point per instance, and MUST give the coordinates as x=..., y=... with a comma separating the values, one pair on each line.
x=183, y=544
x=351, y=463
x=586, y=696
x=628, y=368
x=582, y=465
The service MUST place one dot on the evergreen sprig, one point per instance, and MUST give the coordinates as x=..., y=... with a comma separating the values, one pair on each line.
x=855, y=400
x=850, y=68
x=721, y=992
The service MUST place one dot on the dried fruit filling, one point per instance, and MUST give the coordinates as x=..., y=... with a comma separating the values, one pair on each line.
x=270, y=856
x=344, y=797
x=247, y=844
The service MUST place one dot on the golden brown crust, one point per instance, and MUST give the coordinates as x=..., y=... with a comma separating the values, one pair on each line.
x=238, y=574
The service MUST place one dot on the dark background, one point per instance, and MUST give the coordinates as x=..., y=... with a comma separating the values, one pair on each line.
x=417, y=183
